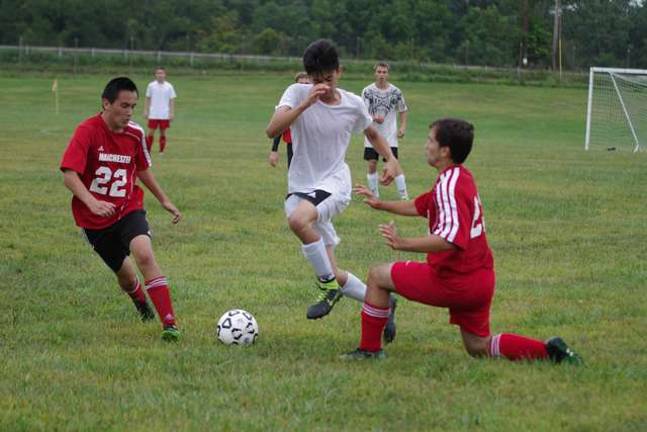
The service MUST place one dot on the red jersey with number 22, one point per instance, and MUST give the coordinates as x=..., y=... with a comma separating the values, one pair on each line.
x=454, y=211
x=107, y=163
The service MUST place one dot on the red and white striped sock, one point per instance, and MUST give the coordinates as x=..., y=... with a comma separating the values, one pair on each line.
x=516, y=347
x=158, y=291
x=373, y=321
x=137, y=294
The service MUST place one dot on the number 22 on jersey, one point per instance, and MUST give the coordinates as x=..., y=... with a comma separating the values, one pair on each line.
x=105, y=175
x=478, y=226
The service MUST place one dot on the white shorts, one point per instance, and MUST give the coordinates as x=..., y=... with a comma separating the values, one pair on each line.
x=328, y=205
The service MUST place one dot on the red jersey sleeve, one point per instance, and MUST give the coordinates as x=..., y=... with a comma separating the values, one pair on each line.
x=142, y=156
x=423, y=204
x=75, y=156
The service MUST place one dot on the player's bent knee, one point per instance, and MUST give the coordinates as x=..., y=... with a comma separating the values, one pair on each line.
x=297, y=223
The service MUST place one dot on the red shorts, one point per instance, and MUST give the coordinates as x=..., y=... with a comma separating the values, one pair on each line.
x=162, y=124
x=468, y=297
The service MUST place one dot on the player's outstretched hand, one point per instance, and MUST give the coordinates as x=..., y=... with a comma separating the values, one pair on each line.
x=169, y=207
x=401, y=133
x=102, y=208
x=391, y=171
x=390, y=234
x=369, y=197
x=273, y=158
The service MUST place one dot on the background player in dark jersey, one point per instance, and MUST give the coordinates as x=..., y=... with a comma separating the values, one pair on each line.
x=273, y=158
x=101, y=164
x=459, y=271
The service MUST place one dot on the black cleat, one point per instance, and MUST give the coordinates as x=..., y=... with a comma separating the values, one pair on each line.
x=145, y=311
x=559, y=352
x=359, y=354
x=389, y=329
x=330, y=294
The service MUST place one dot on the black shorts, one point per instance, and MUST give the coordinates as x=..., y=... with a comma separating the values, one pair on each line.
x=113, y=243
x=371, y=154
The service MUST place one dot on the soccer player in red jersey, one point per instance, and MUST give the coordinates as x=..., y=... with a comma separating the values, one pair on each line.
x=101, y=164
x=459, y=271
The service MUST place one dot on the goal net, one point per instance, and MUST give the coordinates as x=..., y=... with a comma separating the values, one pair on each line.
x=616, y=116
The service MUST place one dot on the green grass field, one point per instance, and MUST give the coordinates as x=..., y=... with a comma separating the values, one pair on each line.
x=568, y=229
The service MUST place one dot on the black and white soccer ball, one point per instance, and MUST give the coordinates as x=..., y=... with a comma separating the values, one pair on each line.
x=237, y=327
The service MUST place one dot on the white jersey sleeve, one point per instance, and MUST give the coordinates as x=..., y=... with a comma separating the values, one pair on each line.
x=148, y=90
x=364, y=119
x=172, y=94
x=293, y=95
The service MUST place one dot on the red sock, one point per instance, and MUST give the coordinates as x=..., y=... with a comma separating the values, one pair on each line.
x=149, y=142
x=162, y=144
x=515, y=347
x=158, y=292
x=373, y=321
x=136, y=294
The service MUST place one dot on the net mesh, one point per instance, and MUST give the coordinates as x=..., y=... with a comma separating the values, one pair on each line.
x=618, y=111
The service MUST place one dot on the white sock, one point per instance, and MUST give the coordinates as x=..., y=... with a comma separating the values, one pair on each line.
x=372, y=184
x=316, y=254
x=354, y=288
x=401, y=184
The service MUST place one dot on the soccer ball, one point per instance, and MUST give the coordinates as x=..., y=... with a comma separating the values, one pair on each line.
x=237, y=327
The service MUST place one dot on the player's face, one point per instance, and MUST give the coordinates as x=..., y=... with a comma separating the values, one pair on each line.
x=432, y=148
x=329, y=78
x=119, y=113
x=160, y=75
x=381, y=74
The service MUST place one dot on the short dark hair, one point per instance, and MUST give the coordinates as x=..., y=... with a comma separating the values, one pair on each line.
x=320, y=56
x=457, y=134
x=115, y=85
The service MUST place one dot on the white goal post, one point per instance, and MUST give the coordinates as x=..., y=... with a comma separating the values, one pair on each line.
x=616, y=115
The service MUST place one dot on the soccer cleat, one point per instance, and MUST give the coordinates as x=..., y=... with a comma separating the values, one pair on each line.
x=145, y=311
x=559, y=351
x=404, y=197
x=171, y=333
x=330, y=294
x=359, y=354
x=389, y=328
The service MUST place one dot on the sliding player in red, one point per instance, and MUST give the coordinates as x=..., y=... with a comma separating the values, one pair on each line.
x=101, y=165
x=459, y=271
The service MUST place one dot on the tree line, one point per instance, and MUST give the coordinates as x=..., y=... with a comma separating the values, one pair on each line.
x=573, y=34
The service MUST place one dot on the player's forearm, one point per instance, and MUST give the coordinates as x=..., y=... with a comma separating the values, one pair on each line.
x=282, y=119
x=275, y=143
x=402, y=208
x=379, y=143
x=403, y=120
x=151, y=184
x=146, y=105
x=72, y=181
x=432, y=243
x=171, y=108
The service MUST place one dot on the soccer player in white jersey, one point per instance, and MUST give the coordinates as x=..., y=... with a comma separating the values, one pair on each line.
x=383, y=100
x=322, y=118
x=159, y=108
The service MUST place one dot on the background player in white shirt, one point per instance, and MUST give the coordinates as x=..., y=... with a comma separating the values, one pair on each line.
x=159, y=108
x=383, y=99
x=322, y=118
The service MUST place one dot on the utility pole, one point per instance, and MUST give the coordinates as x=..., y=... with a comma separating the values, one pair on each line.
x=523, y=49
x=557, y=33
